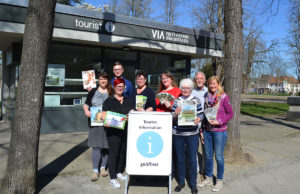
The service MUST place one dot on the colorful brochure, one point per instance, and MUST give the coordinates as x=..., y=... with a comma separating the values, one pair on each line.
x=188, y=113
x=164, y=96
x=211, y=113
x=115, y=120
x=96, y=113
x=140, y=101
x=88, y=79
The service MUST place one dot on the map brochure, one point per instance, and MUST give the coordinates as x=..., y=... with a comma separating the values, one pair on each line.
x=211, y=113
x=96, y=113
x=188, y=113
x=140, y=101
x=115, y=120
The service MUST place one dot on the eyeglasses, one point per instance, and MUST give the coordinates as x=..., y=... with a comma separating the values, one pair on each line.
x=140, y=79
x=185, y=88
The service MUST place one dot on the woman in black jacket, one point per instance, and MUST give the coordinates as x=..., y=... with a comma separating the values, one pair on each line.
x=97, y=135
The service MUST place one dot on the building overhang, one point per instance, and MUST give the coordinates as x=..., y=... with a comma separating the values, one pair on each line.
x=77, y=25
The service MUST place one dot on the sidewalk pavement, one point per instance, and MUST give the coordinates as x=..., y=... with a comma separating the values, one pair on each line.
x=65, y=163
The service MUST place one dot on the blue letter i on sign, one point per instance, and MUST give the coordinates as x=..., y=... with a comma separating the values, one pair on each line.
x=149, y=144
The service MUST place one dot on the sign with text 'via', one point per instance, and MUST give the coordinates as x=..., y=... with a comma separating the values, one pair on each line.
x=149, y=143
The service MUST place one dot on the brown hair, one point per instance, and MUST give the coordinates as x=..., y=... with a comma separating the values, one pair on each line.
x=117, y=63
x=220, y=88
x=169, y=75
x=105, y=75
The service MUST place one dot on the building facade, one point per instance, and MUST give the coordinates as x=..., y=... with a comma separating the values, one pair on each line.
x=89, y=40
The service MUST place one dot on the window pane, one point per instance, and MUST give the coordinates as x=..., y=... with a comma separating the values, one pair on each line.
x=74, y=59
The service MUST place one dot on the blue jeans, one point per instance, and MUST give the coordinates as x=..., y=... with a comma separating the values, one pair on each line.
x=180, y=145
x=215, y=141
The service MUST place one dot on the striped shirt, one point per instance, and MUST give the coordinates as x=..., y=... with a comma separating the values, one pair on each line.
x=186, y=130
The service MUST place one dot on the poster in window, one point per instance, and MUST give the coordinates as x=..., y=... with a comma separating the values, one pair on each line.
x=55, y=75
x=188, y=113
x=88, y=79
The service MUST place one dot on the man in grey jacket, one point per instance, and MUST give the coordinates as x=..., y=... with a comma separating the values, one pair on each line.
x=200, y=91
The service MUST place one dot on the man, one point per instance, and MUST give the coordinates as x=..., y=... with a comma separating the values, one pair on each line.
x=200, y=92
x=118, y=71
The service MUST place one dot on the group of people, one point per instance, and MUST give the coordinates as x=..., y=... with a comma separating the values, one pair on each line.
x=118, y=95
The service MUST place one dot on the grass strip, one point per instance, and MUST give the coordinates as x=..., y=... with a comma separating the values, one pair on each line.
x=264, y=108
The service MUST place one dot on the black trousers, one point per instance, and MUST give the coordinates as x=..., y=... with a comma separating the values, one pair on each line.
x=201, y=160
x=117, y=153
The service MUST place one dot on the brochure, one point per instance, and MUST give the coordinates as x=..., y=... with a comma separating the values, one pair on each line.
x=115, y=120
x=164, y=96
x=188, y=113
x=96, y=113
x=88, y=79
x=211, y=113
x=140, y=101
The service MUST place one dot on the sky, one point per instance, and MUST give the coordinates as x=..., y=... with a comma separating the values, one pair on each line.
x=274, y=27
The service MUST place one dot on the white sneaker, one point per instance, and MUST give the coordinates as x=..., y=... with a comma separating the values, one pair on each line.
x=207, y=182
x=121, y=177
x=218, y=186
x=115, y=183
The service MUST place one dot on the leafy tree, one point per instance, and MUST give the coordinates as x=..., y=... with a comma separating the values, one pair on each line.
x=22, y=164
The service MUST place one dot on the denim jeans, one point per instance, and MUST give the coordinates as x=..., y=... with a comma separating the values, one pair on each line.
x=215, y=141
x=191, y=143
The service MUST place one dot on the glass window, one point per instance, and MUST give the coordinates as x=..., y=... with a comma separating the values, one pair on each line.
x=70, y=60
x=155, y=64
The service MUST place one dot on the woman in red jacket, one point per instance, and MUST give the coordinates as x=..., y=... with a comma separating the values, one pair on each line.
x=167, y=85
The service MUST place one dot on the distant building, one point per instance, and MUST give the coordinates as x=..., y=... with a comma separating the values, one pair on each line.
x=271, y=84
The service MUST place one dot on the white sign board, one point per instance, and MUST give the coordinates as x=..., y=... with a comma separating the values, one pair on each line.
x=149, y=143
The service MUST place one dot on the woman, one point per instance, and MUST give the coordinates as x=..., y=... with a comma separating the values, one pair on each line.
x=186, y=137
x=143, y=92
x=215, y=131
x=167, y=85
x=116, y=138
x=97, y=135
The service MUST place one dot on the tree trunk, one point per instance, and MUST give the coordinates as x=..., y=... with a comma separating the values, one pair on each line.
x=21, y=171
x=233, y=49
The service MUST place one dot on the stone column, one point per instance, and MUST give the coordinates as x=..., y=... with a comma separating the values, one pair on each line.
x=294, y=112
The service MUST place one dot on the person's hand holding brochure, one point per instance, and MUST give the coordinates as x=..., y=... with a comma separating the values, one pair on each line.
x=115, y=120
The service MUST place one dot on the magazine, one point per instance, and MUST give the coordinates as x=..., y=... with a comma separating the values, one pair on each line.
x=115, y=120
x=140, y=101
x=211, y=113
x=96, y=113
x=188, y=113
x=164, y=96
x=88, y=79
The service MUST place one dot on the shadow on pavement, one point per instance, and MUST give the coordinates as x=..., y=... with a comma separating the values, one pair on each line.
x=272, y=120
x=51, y=170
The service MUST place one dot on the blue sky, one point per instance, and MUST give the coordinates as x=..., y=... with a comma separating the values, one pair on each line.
x=274, y=27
